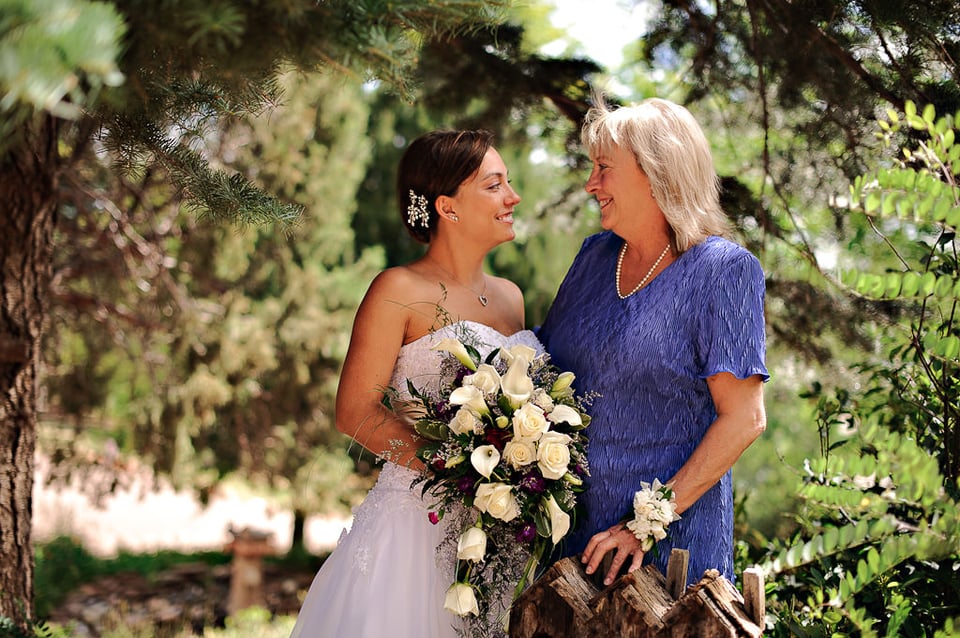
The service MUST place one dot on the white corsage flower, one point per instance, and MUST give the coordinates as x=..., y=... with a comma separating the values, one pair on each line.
x=484, y=460
x=497, y=500
x=553, y=454
x=461, y=600
x=472, y=545
x=486, y=378
x=654, y=508
x=457, y=349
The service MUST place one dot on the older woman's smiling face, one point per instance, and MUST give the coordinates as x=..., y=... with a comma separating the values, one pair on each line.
x=620, y=187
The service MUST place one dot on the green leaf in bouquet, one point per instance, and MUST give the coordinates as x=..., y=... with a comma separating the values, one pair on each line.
x=473, y=352
x=542, y=521
x=414, y=391
x=504, y=404
x=428, y=451
x=491, y=357
x=432, y=430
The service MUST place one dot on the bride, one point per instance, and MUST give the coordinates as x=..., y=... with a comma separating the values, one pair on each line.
x=389, y=575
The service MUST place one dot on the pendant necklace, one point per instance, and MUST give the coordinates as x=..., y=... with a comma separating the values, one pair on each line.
x=481, y=296
x=623, y=251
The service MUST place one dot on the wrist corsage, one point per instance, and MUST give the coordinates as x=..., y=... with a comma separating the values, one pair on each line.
x=654, y=508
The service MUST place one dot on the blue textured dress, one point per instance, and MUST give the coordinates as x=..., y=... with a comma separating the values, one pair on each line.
x=649, y=356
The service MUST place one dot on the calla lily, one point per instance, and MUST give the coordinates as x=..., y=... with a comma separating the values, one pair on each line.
x=484, y=459
x=457, y=349
x=470, y=397
x=516, y=385
x=559, y=520
x=518, y=351
x=565, y=414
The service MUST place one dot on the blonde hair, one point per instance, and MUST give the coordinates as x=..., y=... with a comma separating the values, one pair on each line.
x=673, y=152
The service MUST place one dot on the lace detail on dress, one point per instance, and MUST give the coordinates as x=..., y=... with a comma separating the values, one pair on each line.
x=389, y=497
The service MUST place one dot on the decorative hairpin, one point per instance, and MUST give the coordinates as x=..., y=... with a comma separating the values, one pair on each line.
x=417, y=210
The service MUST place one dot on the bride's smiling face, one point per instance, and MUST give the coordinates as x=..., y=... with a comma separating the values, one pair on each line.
x=484, y=202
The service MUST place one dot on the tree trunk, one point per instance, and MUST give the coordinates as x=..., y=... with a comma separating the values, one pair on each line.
x=27, y=218
x=298, y=546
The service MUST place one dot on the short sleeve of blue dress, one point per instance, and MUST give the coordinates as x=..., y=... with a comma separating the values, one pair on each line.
x=648, y=356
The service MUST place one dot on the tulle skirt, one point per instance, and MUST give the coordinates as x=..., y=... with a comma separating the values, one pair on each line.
x=386, y=577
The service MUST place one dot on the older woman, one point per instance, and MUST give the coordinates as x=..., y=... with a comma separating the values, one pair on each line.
x=663, y=317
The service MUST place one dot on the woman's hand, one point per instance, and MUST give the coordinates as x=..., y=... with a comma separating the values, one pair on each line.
x=619, y=539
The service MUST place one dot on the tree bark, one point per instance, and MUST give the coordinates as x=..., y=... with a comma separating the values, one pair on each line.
x=27, y=218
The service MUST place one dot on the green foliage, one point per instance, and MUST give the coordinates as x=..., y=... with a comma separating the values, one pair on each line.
x=877, y=551
x=914, y=207
x=55, y=56
x=878, y=546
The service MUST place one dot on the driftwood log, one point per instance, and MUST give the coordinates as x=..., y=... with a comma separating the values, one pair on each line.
x=567, y=603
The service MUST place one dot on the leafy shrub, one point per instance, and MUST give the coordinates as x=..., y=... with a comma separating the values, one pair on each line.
x=878, y=549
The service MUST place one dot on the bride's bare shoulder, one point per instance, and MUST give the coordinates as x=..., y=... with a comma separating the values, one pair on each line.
x=400, y=281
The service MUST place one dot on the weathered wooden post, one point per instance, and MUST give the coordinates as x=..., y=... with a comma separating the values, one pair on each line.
x=567, y=603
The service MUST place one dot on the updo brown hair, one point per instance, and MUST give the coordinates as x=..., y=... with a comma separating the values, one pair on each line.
x=435, y=164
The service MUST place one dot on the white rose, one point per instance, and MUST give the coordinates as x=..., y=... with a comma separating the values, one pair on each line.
x=486, y=378
x=457, y=349
x=529, y=422
x=472, y=545
x=518, y=351
x=553, y=455
x=497, y=500
x=484, y=459
x=470, y=397
x=519, y=452
x=559, y=520
x=516, y=385
x=464, y=422
x=565, y=414
x=542, y=399
x=461, y=600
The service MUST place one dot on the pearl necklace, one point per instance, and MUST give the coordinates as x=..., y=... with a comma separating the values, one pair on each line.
x=623, y=251
x=481, y=296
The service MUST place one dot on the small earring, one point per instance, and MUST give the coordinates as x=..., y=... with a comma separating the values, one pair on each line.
x=453, y=217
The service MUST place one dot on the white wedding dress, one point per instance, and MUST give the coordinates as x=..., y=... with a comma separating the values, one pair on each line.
x=386, y=576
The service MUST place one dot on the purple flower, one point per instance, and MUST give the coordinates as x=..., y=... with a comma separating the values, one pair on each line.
x=465, y=484
x=444, y=410
x=533, y=483
x=434, y=518
x=527, y=533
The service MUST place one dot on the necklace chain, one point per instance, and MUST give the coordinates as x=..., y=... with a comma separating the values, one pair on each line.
x=481, y=296
x=623, y=251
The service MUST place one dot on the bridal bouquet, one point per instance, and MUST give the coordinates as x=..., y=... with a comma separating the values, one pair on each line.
x=506, y=451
